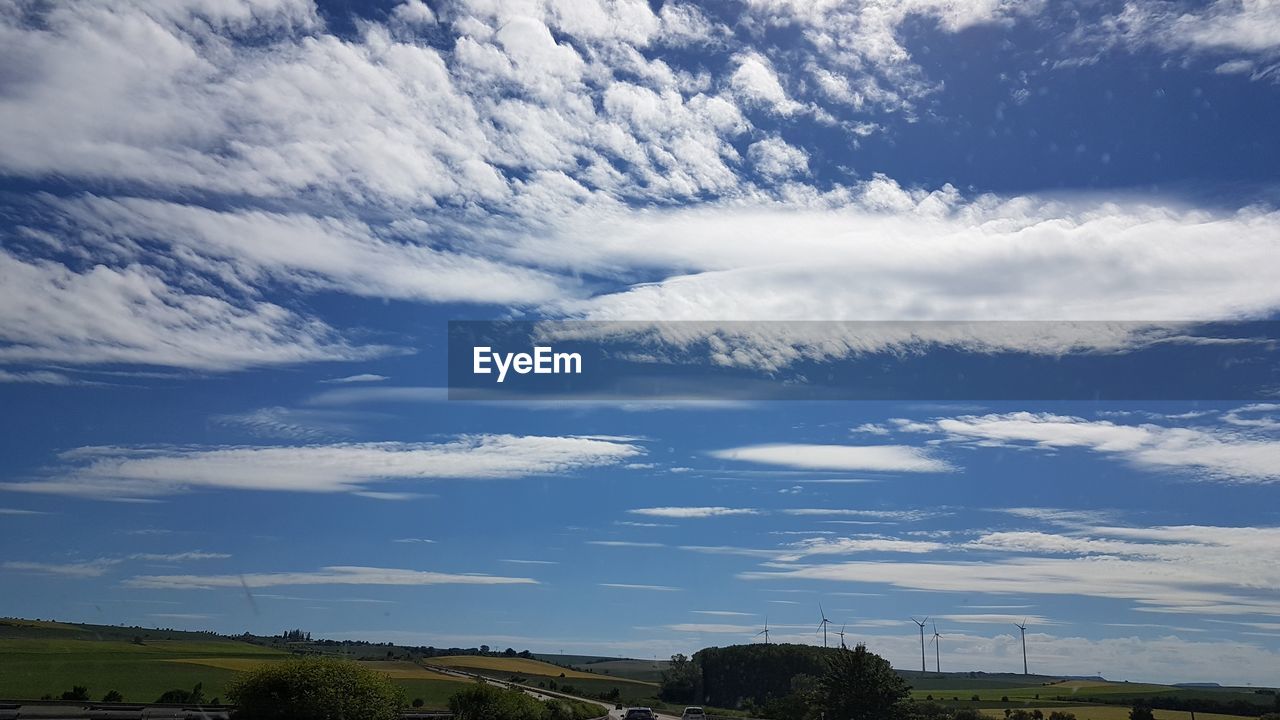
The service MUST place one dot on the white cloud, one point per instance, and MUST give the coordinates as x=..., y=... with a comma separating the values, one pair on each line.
x=336, y=575
x=37, y=377
x=630, y=586
x=713, y=628
x=692, y=512
x=1207, y=452
x=361, y=378
x=756, y=82
x=893, y=515
x=1221, y=26
x=872, y=458
x=775, y=158
x=179, y=556
x=1201, y=570
x=414, y=540
x=88, y=569
x=132, y=314
x=114, y=472
x=624, y=543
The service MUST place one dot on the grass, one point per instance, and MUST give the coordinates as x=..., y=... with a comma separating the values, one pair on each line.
x=1113, y=712
x=31, y=667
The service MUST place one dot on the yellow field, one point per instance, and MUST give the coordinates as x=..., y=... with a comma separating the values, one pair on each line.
x=393, y=669
x=1112, y=712
x=405, y=669
x=522, y=666
x=225, y=663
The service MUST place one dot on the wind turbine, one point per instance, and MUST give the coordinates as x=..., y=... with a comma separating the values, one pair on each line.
x=1023, y=628
x=765, y=631
x=823, y=625
x=937, y=649
x=921, y=624
x=841, y=634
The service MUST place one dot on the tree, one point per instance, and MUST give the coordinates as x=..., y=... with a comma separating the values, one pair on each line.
x=1060, y=715
x=860, y=685
x=680, y=680
x=1141, y=711
x=417, y=702
x=113, y=696
x=315, y=688
x=77, y=692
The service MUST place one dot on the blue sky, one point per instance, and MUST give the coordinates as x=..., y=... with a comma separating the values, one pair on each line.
x=234, y=232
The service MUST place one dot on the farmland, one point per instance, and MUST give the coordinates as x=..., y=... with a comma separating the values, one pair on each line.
x=536, y=673
x=38, y=659
x=1111, y=712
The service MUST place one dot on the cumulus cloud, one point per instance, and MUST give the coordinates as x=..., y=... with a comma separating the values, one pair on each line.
x=119, y=472
x=255, y=152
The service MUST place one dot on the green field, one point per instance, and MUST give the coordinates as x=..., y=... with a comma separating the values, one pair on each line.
x=38, y=659
x=1111, y=712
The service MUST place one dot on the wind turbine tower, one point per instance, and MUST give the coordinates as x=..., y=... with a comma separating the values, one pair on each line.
x=1023, y=628
x=823, y=625
x=841, y=634
x=937, y=649
x=921, y=624
x=765, y=631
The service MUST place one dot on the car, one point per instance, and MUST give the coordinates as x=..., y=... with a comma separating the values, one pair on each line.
x=693, y=713
x=639, y=713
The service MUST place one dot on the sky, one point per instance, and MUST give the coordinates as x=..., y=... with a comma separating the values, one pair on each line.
x=235, y=231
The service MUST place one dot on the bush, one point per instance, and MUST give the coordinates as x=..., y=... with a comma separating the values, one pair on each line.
x=486, y=702
x=1060, y=715
x=417, y=702
x=315, y=688
x=77, y=692
x=113, y=696
x=1141, y=712
x=194, y=696
x=967, y=714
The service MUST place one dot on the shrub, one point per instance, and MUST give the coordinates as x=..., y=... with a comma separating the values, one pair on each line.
x=485, y=702
x=417, y=702
x=1060, y=715
x=1141, y=712
x=315, y=688
x=967, y=714
x=77, y=692
x=113, y=696
x=194, y=696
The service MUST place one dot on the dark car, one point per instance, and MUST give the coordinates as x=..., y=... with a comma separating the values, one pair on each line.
x=639, y=713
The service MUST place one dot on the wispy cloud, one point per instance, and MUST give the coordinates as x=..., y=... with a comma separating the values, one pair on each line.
x=361, y=378
x=878, y=458
x=335, y=575
x=116, y=472
x=630, y=586
x=1205, y=452
x=624, y=543
x=693, y=512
